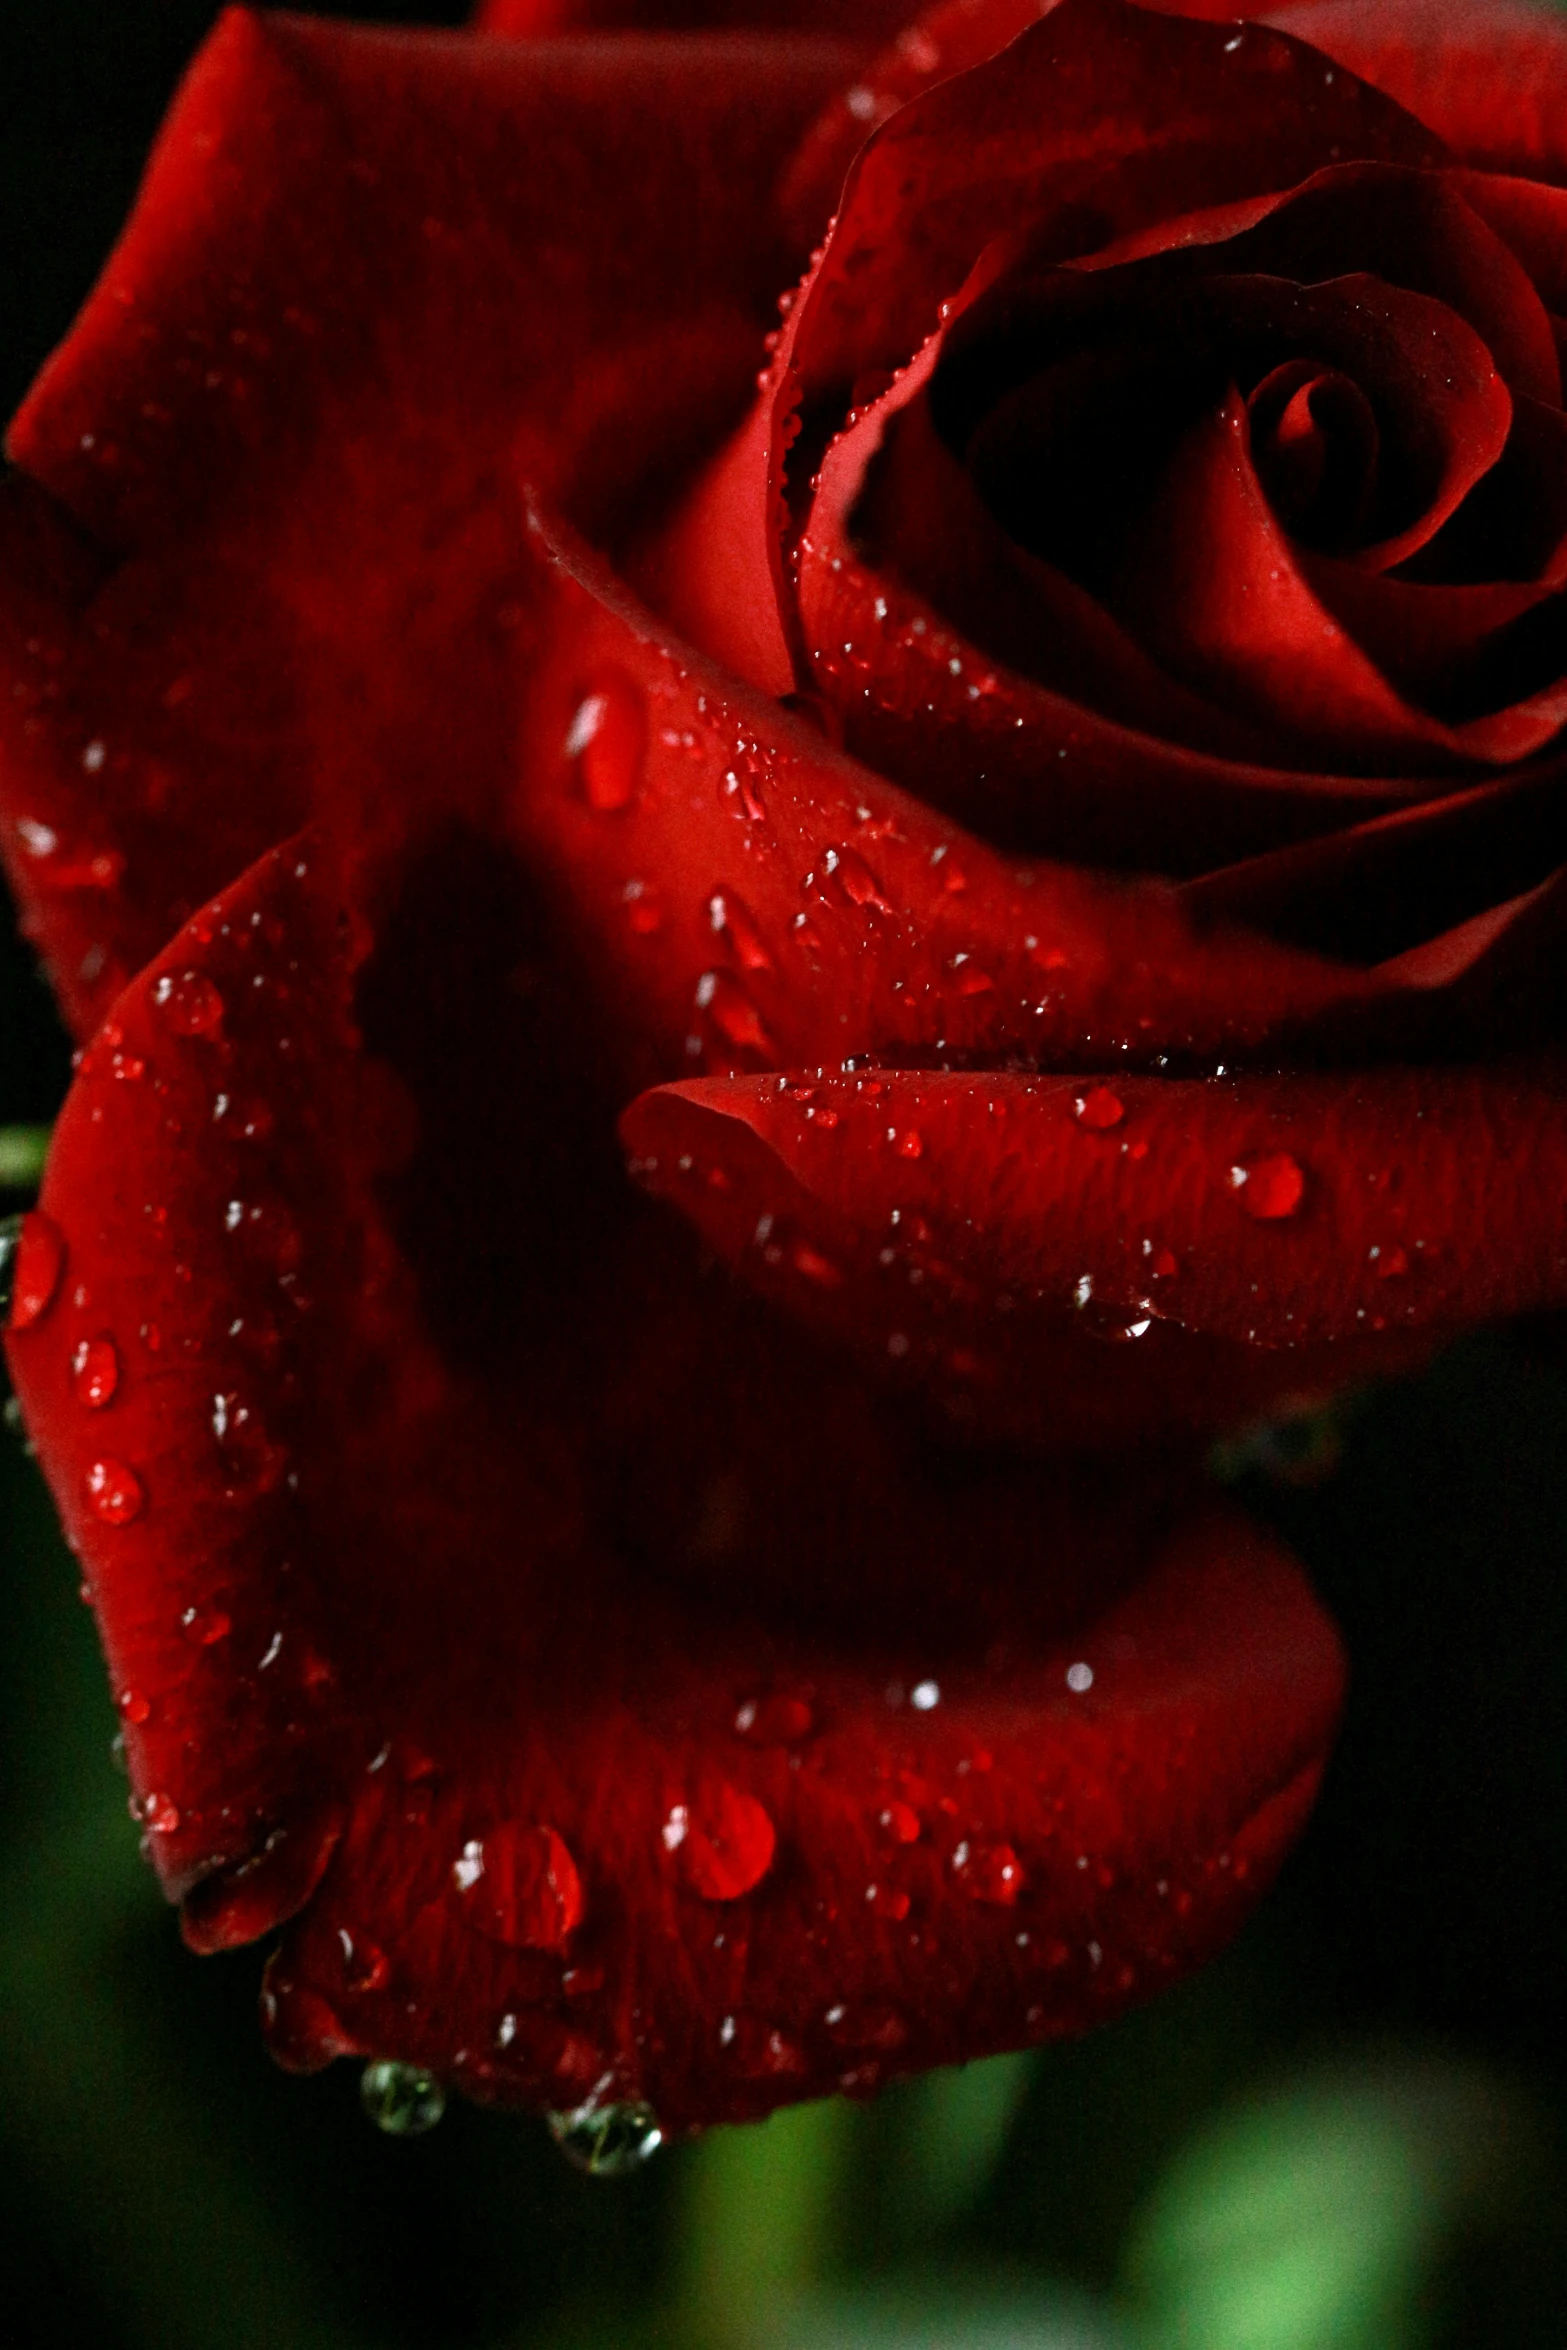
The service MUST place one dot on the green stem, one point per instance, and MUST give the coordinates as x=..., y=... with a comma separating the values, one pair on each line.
x=23, y=1150
x=761, y=2220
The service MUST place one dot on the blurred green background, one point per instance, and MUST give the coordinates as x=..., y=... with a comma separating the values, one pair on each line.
x=1348, y=2135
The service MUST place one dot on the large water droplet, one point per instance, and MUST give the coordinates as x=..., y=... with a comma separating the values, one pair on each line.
x=720, y=995
x=607, y=2141
x=736, y=925
x=853, y=878
x=989, y=1872
x=189, y=1002
x=520, y=1886
x=401, y=2099
x=1270, y=1186
x=607, y=742
x=32, y=1258
x=1098, y=1109
x=95, y=1373
x=114, y=1492
x=774, y=1720
x=723, y=1844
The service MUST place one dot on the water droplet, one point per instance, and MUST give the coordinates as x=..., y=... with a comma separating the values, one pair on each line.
x=252, y=1463
x=607, y=2141
x=607, y=742
x=760, y=2051
x=724, y=1844
x=925, y=1696
x=520, y=1886
x=95, y=1373
x=365, y=1964
x=161, y=1814
x=887, y=1901
x=1079, y=1677
x=1165, y=1264
x=775, y=1720
x=644, y=908
x=720, y=995
x=900, y=1821
x=401, y=2099
x=206, y=1626
x=910, y=1144
x=1270, y=1186
x=189, y=1002
x=736, y=925
x=1390, y=1263
x=854, y=879
x=989, y=1872
x=114, y=1492
x=32, y=1258
x=1098, y=1109
x=133, y=1706
x=866, y=2023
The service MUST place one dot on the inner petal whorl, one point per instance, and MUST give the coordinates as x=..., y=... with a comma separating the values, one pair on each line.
x=1315, y=444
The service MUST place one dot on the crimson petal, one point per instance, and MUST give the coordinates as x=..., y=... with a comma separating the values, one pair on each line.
x=410, y=247
x=545, y=1820
x=1278, y=1212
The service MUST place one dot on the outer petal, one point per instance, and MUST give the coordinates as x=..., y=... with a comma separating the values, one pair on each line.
x=870, y=20
x=747, y=897
x=1490, y=76
x=369, y=275
x=1102, y=120
x=1485, y=75
x=1276, y=1211
x=575, y=1807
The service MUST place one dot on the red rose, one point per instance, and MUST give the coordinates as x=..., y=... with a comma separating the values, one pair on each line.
x=1139, y=925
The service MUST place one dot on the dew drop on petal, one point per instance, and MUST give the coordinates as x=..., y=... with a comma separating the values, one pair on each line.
x=95, y=1373
x=189, y=1002
x=730, y=1010
x=401, y=2099
x=900, y=1821
x=723, y=1845
x=736, y=925
x=114, y=1492
x=607, y=742
x=520, y=1885
x=1098, y=1109
x=1270, y=1186
x=206, y=1626
x=1390, y=1264
x=32, y=1259
x=774, y=1720
x=607, y=2141
x=989, y=1872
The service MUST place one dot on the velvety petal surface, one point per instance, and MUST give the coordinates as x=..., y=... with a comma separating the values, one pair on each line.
x=370, y=275
x=538, y=1698
x=1276, y=1211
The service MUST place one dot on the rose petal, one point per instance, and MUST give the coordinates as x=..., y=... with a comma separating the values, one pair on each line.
x=1265, y=1210
x=568, y=1807
x=1096, y=122
x=778, y=905
x=1489, y=77
x=406, y=246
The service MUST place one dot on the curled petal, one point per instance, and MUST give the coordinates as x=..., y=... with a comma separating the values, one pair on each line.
x=1276, y=1212
x=557, y=1786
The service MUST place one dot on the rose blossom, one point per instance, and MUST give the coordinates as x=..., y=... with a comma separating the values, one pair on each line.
x=1038, y=822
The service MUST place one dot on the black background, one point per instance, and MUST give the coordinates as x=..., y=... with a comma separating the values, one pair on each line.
x=1424, y=1920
